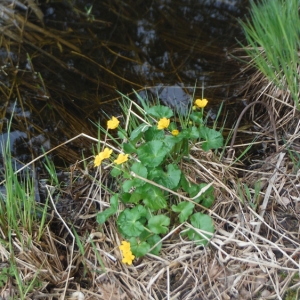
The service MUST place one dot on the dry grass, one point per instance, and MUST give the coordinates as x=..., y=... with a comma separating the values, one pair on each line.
x=254, y=253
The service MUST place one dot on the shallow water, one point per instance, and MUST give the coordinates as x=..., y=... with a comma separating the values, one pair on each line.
x=169, y=49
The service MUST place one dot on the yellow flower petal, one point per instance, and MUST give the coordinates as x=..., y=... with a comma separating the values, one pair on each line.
x=102, y=155
x=98, y=161
x=107, y=152
x=163, y=123
x=121, y=159
x=175, y=132
x=201, y=103
x=128, y=258
x=113, y=123
x=125, y=246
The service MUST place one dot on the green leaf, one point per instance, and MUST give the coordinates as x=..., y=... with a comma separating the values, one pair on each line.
x=186, y=185
x=138, y=248
x=203, y=222
x=159, y=224
x=160, y=111
x=207, y=198
x=133, y=197
x=125, y=197
x=190, y=133
x=140, y=170
x=152, y=240
x=212, y=139
x=115, y=172
x=152, y=153
x=129, y=148
x=153, y=197
x=170, y=141
x=169, y=179
x=127, y=185
x=193, y=133
x=154, y=134
x=103, y=216
x=129, y=222
x=141, y=211
x=185, y=209
x=138, y=132
x=121, y=134
x=197, y=117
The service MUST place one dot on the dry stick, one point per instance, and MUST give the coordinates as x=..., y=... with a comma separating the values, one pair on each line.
x=72, y=139
x=73, y=243
x=231, y=150
x=268, y=191
x=222, y=219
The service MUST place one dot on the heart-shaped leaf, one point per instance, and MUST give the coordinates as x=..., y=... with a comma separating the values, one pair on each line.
x=153, y=197
x=185, y=209
x=160, y=111
x=159, y=224
x=138, y=248
x=169, y=179
x=203, y=222
x=152, y=153
x=212, y=139
x=130, y=221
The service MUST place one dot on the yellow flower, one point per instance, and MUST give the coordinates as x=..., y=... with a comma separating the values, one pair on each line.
x=201, y=103
x=163, y=123
x=128, y=257
x=125, y=247
x=175, y=132
x=102, y=155
x=113, y=123
x=121, y=159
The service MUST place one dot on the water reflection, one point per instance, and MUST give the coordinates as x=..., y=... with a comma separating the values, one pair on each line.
x=85, y=53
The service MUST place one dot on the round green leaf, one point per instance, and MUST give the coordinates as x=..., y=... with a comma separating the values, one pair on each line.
x=138, y=248
x=206, y=199
x=137, y=133
x=140, y=170
x=169, y=179
x=159, y=224
x=154, y=134
x=153, y=197
x=160, y=111
x=203, y=222
x=129, y=224
x=212, y=139
x=185, y=209
x=152, y=240
x=152, y=153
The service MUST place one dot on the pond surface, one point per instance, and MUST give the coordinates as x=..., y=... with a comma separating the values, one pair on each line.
x=62, y=63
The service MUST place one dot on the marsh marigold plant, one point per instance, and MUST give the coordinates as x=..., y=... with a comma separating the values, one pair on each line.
x=154, y=168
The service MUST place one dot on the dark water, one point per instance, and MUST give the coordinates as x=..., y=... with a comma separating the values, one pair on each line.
x=66, y=75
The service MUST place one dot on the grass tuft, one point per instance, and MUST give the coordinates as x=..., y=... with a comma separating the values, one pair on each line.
x=272, y=33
